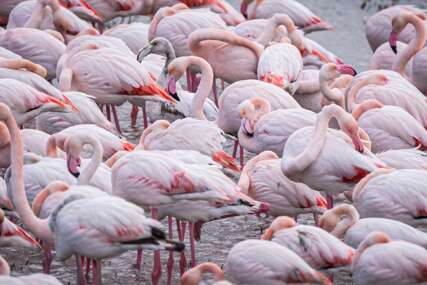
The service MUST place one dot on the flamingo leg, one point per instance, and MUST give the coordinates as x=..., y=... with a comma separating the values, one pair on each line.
x=88, y=262
x=108, y=112
x=96, y=272
x=189, y=83
x=47, y=258
x=330, y=200
x=215, y=92
x=81, y=280
x=138, y=263
x=242, y=156
x=222, y=85
x=192, y=244
x=236, y=145
x=181, y=234
x=116, y=119
x=171, y=254
x=316, y=219
x=134, y=115
x=157, y=267
x=144, y=114
x=296, y=218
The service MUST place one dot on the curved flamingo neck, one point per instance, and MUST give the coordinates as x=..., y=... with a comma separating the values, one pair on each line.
x=205, y=86
x=349, y=215
x=224, y=36
x=414, y=46
x=293, y=165
x=170, y=55
x=334, y=95
x=95, y=161
x=351, y=95
x=40, y=228
x=366, y=106
x=51, y=147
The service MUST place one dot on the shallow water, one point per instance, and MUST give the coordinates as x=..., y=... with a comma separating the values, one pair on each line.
x=347, y=41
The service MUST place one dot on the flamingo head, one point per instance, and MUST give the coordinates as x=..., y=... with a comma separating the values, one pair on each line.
x=398, y=23
x=13, y=235
x=329, y=220
x=73, y=148
x=176, y=70
x=331, y=71
x=157, y=46
x=195, y=275
x=278, y=224
x=250, y=111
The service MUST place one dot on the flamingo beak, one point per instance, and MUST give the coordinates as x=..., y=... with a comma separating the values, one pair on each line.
x=6, y=203
x=393, y=41
x=172, y=87
x=346, y=69
x=246, y=127
x=144, y=52
x=73, y=165
x=244, y=8
x=16, y=235
x=358, y=144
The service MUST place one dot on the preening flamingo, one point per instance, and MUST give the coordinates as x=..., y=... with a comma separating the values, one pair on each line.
x=332, y=161
x=265, y=262
x=78, y=213
x=393, y=194
x=194, y=276
x=316, y=246
x=13, y=235
x=404, y=263
x=303, y=17
x=343, y=221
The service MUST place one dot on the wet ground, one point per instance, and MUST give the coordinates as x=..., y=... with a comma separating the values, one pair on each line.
x=347, y=41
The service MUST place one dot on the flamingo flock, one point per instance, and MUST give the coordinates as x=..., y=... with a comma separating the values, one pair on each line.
x=242, y=115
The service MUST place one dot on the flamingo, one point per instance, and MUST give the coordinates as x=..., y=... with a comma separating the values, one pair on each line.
x=195, y=275
x=301, y=15
x=88, y=114
x=389, y=127
x=37, y=46
x=343, y=221
x=331, y=161
x=404, y=262
x=262, y=180
x=414, y=52
x=202, y=188
x=266, y=262
x=77, y=212
x=378, y=26
x=162, y=46
x=27, y=103
x=135, y=35
x=5, y=53
x=393, y=194
x=262, y=129
x=38, y=278
x=316, y=246
x=13, y=235
x=404, y=158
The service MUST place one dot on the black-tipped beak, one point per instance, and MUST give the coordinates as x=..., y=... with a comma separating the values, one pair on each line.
x=174, y=96
x=175, y=245
x=393, y=42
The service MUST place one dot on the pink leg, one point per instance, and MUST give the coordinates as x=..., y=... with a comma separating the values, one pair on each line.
x=157, y=267
x=222, y=85
x=192, y=244
x=47, y=258
x=316, y=219
x=189, y=83
x=108, y=113
x=134, y=115
x=144, y=114
x=138, y=263
x=242, y=156
x=81, y=280
x=88, y=263
x=215, y=92
x=116, y=119
x=296, y=218
x=181, y=234
x=171, y=253
x=96, y=272
x=330, y=200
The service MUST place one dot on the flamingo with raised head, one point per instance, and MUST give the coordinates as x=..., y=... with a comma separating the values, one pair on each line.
x=332, y=161
x=343, y=221
x=405, y=263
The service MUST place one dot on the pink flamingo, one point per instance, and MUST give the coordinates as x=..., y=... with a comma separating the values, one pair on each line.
x=110, y=9
x=263, y=180
x=403, y=261
x=30, y=279
x=13, y=235
x=414, y=52
x=301, y=15
x=332, y=161
x=194, y=276
x=393, y=194
x=404, y=158
x=278, y=264
x=262, y=129
x=37, y=46
x=135, y=35
x=343, y=221
x=389, y=127
x=378, y=26
x=180, y=187
x=27, y=103
x=317, y=247
x=60, y=228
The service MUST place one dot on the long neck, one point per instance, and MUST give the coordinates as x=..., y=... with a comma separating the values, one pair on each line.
x=96, y=159
x=334, y=95
x=309, y=155
x=204, y=88
x=169, y=53
x=40, y=228
x=268, y=33
x=350, y=217
x=161, y=13
x=414, y=46
x=224, y=36
x=37, y=16
x=51, y=149
x=352, y=92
